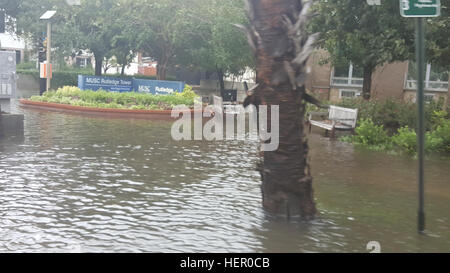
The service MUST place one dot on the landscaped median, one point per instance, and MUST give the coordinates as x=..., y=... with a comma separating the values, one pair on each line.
x=73, y=98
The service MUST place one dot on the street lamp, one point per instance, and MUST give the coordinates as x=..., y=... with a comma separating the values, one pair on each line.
x=47, y=16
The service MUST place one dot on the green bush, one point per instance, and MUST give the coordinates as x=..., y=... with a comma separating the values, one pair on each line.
x=129, y=100
x=378, y=120
x=59, y=79
x=368, y=133
x=372, y=135
x=406, y=139
x=393, y=115
x=26, y=66
x=439, y=139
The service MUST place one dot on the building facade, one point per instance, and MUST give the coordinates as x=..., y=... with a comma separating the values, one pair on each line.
x=11, y=42
x=395, y=81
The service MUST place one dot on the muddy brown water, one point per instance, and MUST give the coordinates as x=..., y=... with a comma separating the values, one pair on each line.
x=93, y=184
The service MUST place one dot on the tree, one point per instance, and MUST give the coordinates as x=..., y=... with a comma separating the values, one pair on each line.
x=159, y=27
x=26, y=14
x=282, y=46
x=102, y=27
x=87, y=26
x=217, y=45
x=91, y=23
x=367, y=36
x=438, y=38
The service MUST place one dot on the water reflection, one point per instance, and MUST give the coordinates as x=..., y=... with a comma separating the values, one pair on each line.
x=93, y=184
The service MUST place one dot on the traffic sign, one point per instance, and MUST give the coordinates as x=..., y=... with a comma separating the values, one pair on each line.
x=420, y=8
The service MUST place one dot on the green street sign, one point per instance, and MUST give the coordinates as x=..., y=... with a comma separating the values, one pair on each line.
x=420, y=8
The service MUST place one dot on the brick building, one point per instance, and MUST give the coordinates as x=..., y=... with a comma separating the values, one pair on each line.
x=395, y=80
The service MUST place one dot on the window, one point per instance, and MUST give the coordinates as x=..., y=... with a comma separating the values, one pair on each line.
x=349, y=93
x=18, y=56
x=436, y=78
x=83, y=62
x=347, y=75
x=428, y=97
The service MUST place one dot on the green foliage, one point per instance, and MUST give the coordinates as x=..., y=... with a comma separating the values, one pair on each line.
x=393, y=115
x=370, y=134
x=365, y=35
x=26, y=66
x=438, y=118
x=60, y=78
x=438, y=38
x=375, y=116
x=406, y=139
x=439, y=139
x=219, y=45
x=188, y=93
x=165, y=33
x=104, y=99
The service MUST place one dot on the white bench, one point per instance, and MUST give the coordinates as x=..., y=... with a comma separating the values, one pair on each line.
x=339, y=118
x=227, y=108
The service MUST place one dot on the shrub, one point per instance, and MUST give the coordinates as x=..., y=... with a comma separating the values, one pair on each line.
x=129, y=100
x=439, y=139
x=368, y=133
x=406, y=139
x=393, y=115
x=59, y=79
x=26, y=66
x=188, y=93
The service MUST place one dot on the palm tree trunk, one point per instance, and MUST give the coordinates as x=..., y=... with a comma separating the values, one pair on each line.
x=282, y=47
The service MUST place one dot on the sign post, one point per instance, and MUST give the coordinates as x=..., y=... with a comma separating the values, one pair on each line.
x=420, y=9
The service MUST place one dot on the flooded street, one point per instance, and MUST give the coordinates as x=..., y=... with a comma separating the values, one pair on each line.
x=94, y=184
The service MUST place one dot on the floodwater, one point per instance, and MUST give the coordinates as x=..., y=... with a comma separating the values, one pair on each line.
x=93, y=184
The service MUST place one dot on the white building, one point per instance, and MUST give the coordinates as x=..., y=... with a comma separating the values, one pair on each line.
x=11, y=42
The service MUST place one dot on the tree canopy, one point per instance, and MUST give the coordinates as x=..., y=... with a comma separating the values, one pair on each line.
x=200, y=33
x=365, y=35
x=219, y=46
x=438, y=38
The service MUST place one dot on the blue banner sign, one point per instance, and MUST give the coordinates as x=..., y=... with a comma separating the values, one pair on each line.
x=106, y=83
x=128, y=85
x=157, y=87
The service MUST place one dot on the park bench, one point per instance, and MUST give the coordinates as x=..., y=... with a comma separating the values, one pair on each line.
x=227, y=107
x=339, y=118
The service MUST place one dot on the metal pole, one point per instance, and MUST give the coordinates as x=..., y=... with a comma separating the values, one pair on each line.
x=49, y=43
x=420, y=54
